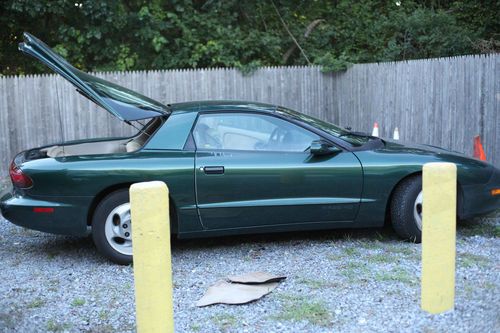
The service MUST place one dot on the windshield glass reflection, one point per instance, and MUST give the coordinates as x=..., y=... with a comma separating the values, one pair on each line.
x=353, y=138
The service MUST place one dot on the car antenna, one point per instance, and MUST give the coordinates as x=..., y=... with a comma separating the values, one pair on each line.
x=60, y=116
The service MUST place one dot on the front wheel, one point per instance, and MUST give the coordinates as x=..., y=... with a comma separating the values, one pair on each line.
x=111, y=227
x=406, y=209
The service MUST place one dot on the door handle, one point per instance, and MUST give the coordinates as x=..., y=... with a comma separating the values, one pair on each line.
x=213, y=170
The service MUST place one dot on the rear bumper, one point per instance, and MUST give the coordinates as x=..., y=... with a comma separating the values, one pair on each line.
x=477, y=199
x=69, y=215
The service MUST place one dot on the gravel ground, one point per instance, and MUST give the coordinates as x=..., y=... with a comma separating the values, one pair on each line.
x=342, y=281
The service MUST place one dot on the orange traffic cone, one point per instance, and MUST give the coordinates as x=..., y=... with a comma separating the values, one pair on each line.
x=375, y=129
x=478, y=149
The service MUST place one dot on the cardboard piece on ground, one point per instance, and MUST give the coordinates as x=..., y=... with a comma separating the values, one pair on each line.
x=255, y=278
x=235, y=293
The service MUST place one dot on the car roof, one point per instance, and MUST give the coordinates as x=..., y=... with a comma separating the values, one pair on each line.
x=221, y=105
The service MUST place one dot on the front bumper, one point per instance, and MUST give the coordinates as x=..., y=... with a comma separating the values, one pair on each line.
x=69, y=215
x=478, y=200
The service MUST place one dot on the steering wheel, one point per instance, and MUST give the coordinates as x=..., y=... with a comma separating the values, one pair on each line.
x=277, y=136
x=205, y=139
x=213, y=141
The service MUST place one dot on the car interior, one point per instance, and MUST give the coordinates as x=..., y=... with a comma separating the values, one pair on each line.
x=124, y=145
x=250, y=132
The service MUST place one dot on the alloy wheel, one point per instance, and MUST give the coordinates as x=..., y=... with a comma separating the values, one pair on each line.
x=417, y=210
x=118, y=229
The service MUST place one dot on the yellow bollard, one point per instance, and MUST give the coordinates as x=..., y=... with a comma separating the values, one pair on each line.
x=438, y=236
x=152, y=258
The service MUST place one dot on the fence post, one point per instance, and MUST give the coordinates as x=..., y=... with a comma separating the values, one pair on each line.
x=438, y=236
x=149, y=207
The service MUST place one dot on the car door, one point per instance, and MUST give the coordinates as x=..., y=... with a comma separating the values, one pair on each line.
x=254, y=170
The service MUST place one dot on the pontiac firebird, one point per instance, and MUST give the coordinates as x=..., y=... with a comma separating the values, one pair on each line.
x=232, y=167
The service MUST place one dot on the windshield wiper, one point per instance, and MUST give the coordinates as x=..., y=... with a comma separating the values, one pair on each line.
x=361, y=134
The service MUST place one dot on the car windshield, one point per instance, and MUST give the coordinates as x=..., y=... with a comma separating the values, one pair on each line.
x=354, y=138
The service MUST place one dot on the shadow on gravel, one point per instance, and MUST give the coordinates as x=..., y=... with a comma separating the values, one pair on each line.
x=486, y=226
x=75, y=247
x=371, y=234
x=51, y=247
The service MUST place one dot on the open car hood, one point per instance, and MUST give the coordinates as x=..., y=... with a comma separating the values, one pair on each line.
x=119, y=101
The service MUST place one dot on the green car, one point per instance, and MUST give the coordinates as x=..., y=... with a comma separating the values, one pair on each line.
x=232, y=168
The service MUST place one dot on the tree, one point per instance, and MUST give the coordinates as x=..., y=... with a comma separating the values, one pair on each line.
x=135, y=35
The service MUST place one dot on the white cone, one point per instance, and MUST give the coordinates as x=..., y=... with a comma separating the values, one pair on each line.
x=375, y=129
x=396, y=134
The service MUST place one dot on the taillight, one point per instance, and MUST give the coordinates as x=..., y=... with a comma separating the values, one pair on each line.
x=18, y=177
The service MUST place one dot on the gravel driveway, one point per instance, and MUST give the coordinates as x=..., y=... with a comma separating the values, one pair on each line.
x=338, y=281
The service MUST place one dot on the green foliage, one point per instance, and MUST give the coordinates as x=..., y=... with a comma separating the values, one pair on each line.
x=135, y=35
x=298, y=308
x=78, y=302
x=332, y=63
x=36, y=303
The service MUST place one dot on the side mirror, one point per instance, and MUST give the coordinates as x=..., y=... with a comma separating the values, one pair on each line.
x=320, y=147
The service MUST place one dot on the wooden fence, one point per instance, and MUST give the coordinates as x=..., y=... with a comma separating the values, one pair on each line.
x=443, y=102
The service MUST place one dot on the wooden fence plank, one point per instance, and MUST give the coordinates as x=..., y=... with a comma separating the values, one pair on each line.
x=443, y=102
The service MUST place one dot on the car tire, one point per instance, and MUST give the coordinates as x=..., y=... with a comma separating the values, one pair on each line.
x=406, y=209
x=111, y=229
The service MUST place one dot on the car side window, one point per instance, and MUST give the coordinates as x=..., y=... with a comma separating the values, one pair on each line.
x=239, y=131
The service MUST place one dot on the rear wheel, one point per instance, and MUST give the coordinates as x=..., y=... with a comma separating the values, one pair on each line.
x=111, y=227
x=406, y=209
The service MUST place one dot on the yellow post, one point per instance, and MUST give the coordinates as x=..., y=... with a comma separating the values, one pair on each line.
x=438, y=236
x=152, y=259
